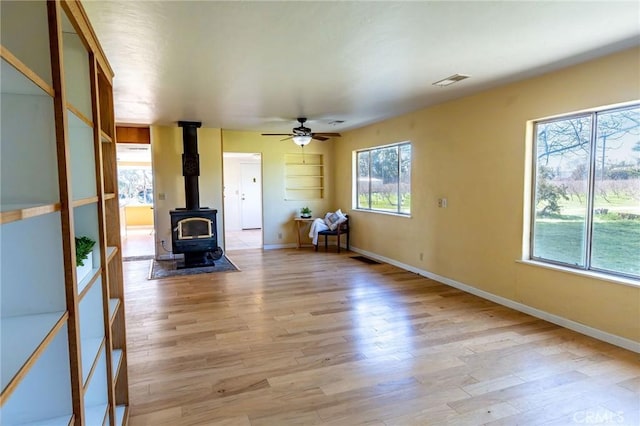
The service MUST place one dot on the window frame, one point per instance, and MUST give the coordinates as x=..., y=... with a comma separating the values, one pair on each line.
x=591, y=183
x=356, y=178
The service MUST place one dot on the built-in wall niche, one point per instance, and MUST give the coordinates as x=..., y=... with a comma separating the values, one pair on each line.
x=24, y=32
x=32, y=292
x=92, y=330
x=32, y=264
x=304, y=176
x=44, y=393
x=95, y=395
x=27, y=143
x=85, y=220
x=105, y=92
x=119, y=363
x=81, y=149
x=76, y=71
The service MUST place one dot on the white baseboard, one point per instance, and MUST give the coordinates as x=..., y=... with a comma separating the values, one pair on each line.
x=279, y=246
x=561, y=321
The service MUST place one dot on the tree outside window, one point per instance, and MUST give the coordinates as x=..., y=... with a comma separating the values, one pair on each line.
x=586, y=211
x=384, y=179
x=135, y=185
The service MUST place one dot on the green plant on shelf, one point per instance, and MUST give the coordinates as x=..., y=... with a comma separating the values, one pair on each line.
x=84, y=246
x=305, y=212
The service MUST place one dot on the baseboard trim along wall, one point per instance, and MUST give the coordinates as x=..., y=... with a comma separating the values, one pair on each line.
x=558, y=320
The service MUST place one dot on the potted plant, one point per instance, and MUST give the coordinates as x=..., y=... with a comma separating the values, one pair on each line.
x=84, y=257
x=305, y=212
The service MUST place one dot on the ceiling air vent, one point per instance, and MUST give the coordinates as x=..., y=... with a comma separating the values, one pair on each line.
x=451, y=79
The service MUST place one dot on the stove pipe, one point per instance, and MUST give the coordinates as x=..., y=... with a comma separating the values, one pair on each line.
x=190, y=163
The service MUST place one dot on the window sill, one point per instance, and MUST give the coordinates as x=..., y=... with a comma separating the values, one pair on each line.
x=588, y=274
x=406, y=216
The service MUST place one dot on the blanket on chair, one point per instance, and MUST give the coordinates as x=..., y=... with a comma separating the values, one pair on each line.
x=317, y=226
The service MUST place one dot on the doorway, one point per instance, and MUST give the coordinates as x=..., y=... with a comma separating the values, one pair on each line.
x=135, y=188
x=242, y=200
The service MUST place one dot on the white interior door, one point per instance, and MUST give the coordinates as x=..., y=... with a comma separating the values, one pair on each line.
x=232, y=208
x=251, y=195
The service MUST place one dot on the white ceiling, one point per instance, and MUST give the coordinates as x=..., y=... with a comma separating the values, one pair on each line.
x=258, y=65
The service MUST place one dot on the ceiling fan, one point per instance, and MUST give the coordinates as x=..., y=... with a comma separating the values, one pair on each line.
x=302, y=135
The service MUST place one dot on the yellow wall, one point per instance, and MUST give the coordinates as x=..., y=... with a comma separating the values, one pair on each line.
x=166, y=147
x=472, y=151
x=138, y=215
x=277, y=212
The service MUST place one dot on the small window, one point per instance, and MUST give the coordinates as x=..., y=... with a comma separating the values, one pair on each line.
x=383, y=179
x=586, y=207
x=135, y=185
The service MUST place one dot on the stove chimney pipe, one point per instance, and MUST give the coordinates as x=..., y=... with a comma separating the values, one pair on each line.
x=190, y=163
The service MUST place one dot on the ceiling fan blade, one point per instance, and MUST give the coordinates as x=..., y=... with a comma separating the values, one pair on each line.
x=331, y=135
x=286, y=139
x=276, y=134
x=319, y=138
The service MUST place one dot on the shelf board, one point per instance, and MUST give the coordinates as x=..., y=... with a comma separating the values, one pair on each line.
x=23, y=340
x=87, y=282
x=90, y=350
x=79, y=114
x=15, y=212
x=57, y=421
x=105, y=138
x=96, y=414
x=111, y=252
x=121, y=414
x=109, y=195
x=116, y=359
x=114, y=304
x=85, y=201
x=20, y=67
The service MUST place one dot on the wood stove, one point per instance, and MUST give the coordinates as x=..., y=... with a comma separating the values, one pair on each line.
x=193, y=228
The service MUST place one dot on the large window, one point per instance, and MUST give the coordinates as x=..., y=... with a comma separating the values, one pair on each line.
x=384, y=179
x=586, y=210
x=135, y=185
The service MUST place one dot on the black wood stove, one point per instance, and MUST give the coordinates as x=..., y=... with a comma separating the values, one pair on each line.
x=193, y=229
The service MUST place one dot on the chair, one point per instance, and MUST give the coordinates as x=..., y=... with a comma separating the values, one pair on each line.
x=342, y=229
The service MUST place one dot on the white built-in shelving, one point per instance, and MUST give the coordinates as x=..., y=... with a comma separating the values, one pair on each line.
x=304, y=179
x=63, y=340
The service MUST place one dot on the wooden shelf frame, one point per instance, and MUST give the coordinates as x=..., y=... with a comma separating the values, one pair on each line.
x=43, y=328
x=101, y=121
x=26, y=71
x=26, y=212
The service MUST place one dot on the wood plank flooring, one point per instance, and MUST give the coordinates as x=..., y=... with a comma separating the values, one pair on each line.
x=299, y=337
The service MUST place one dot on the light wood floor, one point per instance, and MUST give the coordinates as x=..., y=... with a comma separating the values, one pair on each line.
x=300, y=337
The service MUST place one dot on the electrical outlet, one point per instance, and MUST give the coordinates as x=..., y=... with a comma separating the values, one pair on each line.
x=421, y=256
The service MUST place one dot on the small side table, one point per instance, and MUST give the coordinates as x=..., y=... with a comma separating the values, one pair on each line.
x=299, y=221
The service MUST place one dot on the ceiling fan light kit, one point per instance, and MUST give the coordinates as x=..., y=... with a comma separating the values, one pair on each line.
x=301, y=140
x=301, y=135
